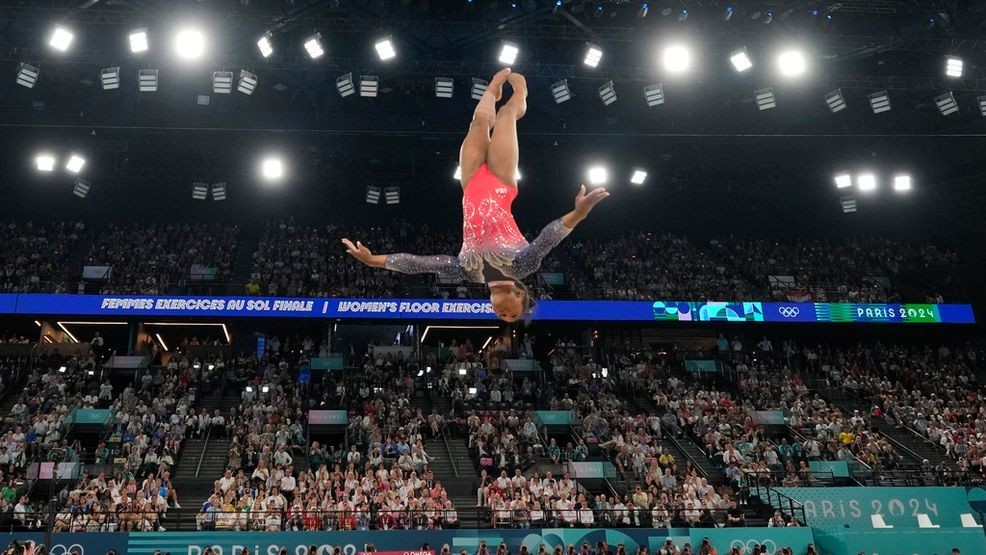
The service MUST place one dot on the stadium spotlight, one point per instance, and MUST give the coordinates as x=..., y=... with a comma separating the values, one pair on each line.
x=791, y=63
x=45, y=162
x=866, y=182
x=946, y=104
x=848, y=203
x=478, y=88
x=843, y=181
x=880, y=102
x=902, y=183
x=508, y=53
x=266, y=45
x=27, y=75
x=677, y=59
x=392, y=195
x=200, y=191
x=598, y=175
x=607, y=93
x=373, y=195
x=222, y=82
x=110, y=78
x=385, y=48
x=654, y=94
x=765, y=98
x=369, y=85
x=61, y=39
x=247, y=83
x=345, y=86
x=741, y=60
x=75, y=163
x=81, y=188
x=593, y=55
x=138, y=41
x=272, y=169
x=982, y=105
x=638, y=177
x=190, y=44
x=444, y=87
x=953, y=66
x=560, y=91
x=457, y=175
x=219, y=191
x=835, y=101
x=147, y=80
x=313, y=45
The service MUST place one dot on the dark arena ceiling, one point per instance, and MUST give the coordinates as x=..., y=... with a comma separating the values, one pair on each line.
x=714, y=159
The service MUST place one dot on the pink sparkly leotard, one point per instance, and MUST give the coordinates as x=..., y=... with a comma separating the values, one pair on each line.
x=492, y=245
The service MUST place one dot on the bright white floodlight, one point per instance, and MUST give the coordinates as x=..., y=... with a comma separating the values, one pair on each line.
x=138, y=41
x=741, y=60
x=190, y=44
x=314, y=46
x=902, y=183
x=598, y=175
x=843, y=181
x=866, y=182
x=638, y=177
x=953, y=66
x=385, y=48
x=75, y=163
x=593, y=55
x=265, y=45
x=272, y=169
x=677, y=59
x=45, y=162
x=792, y=63
x=61, y=38
x=508, y=53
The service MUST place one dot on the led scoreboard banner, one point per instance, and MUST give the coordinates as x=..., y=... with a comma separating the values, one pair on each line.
x=435, y=309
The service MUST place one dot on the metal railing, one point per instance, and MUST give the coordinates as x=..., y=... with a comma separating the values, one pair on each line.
x=79, y=520
x=788, y=506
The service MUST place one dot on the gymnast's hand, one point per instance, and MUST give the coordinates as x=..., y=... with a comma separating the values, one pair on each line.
x=363, y=254
x=585, y=202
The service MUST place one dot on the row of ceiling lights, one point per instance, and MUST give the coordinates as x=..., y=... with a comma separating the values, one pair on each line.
x=190, y=43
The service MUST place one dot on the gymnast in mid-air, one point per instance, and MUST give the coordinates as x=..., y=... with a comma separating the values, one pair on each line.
x=494, y=251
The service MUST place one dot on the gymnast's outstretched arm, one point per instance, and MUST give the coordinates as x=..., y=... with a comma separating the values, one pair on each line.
x=443, y=265
x=553, y=233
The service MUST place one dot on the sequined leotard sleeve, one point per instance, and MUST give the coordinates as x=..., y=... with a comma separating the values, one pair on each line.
x=529, y=259
x=445, y=266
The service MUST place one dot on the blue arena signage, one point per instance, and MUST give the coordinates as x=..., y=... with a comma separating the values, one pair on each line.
x=432, y=309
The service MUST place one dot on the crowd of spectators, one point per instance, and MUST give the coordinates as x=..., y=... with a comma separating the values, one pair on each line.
x=932, y=390
x=653, y=266
x=32, y=254
x=276, y=481
x=149, y=259
x=295, y=260
x=657, y=266
x=153, y=415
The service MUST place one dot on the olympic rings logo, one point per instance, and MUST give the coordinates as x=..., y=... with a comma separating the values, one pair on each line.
x=751, y=544
x=789, y=311
x=62, y=549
